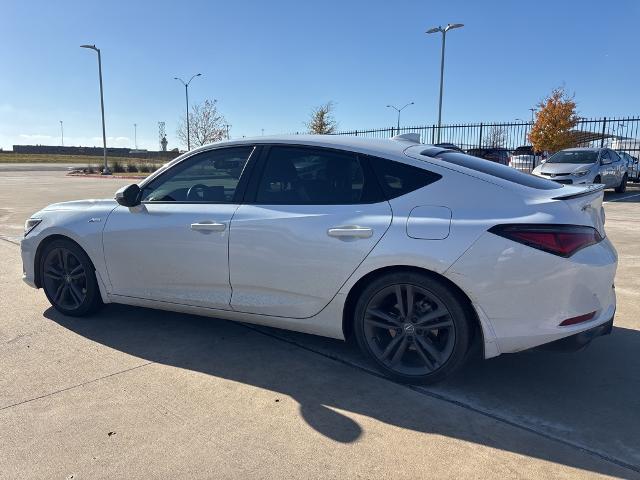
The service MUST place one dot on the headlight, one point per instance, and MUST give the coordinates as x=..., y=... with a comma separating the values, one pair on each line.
x=30, y=224
x=581, y=173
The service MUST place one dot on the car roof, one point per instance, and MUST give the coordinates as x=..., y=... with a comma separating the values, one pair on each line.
x=372, y=146
x=582, y=149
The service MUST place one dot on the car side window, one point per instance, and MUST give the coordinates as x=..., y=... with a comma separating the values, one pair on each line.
x=207, y=177
x=399, y=178
x=604, y=157
x=312, y=176
x=614, y=156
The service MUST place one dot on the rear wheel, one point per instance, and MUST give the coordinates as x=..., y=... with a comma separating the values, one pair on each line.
x=69, y=279
x=623, y=185
x=413, y=327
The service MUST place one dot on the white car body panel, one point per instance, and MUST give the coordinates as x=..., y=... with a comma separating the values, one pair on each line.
x=520, y=294
x=285, y=262
x=525, y=163
x=152, y=252
x=521, y=318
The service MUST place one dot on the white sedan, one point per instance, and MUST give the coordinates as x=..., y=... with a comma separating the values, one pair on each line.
x=417, y=252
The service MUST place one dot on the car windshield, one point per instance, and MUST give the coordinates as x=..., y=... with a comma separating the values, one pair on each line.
x=574, y=156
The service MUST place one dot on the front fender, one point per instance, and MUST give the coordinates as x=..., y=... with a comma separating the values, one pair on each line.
x=84, y=227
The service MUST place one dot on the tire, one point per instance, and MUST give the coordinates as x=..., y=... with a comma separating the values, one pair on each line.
x=68, y=278
x=413, y=344
x=623, y=185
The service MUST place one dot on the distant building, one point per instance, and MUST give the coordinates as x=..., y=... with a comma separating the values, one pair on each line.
x=92, y=151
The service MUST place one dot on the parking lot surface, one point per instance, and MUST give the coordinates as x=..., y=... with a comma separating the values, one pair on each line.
x=140, y=393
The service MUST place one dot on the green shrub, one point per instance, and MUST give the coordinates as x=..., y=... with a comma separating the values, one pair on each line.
x=132, y=168
x=116, y=167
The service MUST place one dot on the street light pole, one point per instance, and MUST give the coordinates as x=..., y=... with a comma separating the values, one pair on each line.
x=444, y=38
x=61, y=134
x=186, y=96
x=135, y=135
x=533, y=111
x=105, y=170
x=399, y=110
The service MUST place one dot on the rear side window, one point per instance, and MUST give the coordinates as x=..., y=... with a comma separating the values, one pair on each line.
x=314, y=176
x=398, y=178
x=497, y=170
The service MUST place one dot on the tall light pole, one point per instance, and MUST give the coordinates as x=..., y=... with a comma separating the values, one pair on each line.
x=399, y=110
x=450, y=26
x=105, y=170
x=186, y=96
x=533, y=111
x=61, y=134
x=135, y=135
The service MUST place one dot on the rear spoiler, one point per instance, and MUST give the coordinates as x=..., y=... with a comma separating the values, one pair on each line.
x=587, y=190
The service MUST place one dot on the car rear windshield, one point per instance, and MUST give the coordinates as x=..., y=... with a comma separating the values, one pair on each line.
x=496, y=170
x=574, y=156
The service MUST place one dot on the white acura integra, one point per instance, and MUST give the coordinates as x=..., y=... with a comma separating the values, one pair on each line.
x=417, y=252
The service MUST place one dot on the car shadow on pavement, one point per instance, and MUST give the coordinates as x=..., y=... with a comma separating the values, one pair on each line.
x=588, y=399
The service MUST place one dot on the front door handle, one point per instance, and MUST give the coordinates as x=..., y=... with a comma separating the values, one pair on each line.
x=206, y=227
x=350, y=231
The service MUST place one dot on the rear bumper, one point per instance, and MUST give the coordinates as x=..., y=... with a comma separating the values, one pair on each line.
x=579, y=340
x=525, y=294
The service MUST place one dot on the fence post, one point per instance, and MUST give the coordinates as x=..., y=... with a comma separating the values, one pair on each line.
x=480, y=137
x=604, y=126
x=433, y=134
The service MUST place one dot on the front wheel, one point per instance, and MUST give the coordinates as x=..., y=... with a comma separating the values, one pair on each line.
x=69, y=279
x=413, y=327
x=623, y=185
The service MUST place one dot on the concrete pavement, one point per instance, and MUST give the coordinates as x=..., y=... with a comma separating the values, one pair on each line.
x=149, y=394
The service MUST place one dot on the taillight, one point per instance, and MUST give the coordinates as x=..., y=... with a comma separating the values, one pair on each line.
x=562, y=240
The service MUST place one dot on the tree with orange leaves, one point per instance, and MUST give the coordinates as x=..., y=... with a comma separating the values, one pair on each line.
x=554, y=120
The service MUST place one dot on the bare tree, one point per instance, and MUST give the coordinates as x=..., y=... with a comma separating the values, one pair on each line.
x=321, y=120
x=497, y=137
x=206, y=125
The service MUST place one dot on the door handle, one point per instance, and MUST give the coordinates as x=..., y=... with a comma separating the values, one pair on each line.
x=207, y=227
x=350, y=231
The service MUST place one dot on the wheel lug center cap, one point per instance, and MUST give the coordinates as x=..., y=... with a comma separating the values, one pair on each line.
x=409, y=328
x=67, y=278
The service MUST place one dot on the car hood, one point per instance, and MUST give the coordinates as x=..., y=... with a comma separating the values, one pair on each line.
x=560, y=168
x=105, y=205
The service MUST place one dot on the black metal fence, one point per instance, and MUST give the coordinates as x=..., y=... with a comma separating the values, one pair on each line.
x=619, y=133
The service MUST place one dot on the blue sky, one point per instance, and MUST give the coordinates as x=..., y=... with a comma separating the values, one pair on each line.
x=268, y=63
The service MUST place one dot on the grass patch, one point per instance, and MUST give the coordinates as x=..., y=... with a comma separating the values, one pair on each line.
x=8, y=157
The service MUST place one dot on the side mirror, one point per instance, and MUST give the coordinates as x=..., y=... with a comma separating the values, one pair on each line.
x=128, y=196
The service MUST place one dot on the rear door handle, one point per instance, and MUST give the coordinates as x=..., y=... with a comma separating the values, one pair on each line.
x=207, y=227
x=350, y=231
